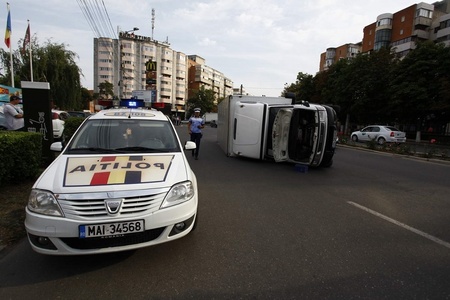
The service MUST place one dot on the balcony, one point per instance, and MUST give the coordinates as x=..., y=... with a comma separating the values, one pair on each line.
x=422, y=34
x=422, y=22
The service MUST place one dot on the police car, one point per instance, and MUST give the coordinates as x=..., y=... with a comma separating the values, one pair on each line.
x=122, y=182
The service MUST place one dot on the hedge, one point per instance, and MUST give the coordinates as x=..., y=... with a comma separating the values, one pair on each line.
x=21, y=155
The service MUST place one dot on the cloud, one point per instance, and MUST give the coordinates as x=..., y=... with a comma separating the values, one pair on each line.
x=260, y=43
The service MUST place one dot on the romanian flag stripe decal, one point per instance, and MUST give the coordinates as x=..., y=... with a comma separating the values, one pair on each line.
x=133, y=177
x=107, y=170
x=100, y=178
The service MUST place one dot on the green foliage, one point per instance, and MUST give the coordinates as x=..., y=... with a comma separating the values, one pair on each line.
x=86, y=97
x=303, y=87
x=382, y=88
x=21, y=154
x=203, y=98
x=57, y=66
x=398, y=148
x=372, y=144
x=52, y=63
x=106, y=89
x=70, y=126
x=421, y=82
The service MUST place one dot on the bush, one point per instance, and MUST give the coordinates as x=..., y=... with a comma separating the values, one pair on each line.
x=70, y=126
x=21, y=154
x=372, y=144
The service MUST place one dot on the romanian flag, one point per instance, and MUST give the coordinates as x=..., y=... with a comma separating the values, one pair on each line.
x=8, y=30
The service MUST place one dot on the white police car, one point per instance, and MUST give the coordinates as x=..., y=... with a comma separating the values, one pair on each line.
x=122, y=182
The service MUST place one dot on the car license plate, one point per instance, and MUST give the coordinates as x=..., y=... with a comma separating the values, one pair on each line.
x=110, y=229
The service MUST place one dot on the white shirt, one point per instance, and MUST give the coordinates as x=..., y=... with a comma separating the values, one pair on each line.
x=10, y=111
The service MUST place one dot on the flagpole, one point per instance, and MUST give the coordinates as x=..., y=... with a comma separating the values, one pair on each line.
x=31, y=58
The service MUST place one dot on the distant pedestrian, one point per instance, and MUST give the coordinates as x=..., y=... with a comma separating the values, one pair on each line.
x=195, y=126
x=13, y=114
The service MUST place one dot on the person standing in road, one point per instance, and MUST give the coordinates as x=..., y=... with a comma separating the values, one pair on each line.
x=13, y=114
x=195, y=126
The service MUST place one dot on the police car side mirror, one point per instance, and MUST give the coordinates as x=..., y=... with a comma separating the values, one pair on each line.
x=56, y=146
x=190, y=145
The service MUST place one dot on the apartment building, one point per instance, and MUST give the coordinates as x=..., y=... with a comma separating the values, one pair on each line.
x=400, y=30
x=123, y=62
x=202, y=75
x=332, y=55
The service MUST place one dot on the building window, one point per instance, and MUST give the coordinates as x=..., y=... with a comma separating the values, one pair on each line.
x=385, y=22
x=444, y=24
x=424, y=13
x=382, y=39
x=403, y=19
x=401, y=31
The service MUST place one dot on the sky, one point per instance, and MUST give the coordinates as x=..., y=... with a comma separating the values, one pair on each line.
x=259, y=44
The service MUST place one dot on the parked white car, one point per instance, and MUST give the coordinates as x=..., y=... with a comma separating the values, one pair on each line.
x=380, y=133
x=122, y=182
x=58, y=120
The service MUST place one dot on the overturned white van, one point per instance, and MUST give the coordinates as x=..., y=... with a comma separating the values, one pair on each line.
x=277, y=128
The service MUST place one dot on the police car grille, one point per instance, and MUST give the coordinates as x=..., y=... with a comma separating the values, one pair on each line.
x=129, y=239
x=95, y=208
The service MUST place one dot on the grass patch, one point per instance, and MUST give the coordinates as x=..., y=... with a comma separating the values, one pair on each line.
x=13, y=199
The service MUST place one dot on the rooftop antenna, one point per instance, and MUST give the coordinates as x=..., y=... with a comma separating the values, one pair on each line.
x=153, y=21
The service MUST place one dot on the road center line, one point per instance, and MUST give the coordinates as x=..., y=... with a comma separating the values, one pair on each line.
x=421, y=233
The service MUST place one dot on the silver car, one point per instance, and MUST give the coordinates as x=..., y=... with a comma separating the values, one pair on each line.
x=379, y=133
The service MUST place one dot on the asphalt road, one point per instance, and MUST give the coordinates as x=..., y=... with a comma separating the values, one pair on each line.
x=373, y=226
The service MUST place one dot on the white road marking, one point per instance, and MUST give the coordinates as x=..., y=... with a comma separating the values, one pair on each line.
x=421, y=233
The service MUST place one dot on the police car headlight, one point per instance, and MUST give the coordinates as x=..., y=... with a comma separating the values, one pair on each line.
x=44, y=202
x=179, y=193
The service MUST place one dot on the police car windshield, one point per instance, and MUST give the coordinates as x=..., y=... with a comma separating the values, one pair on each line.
x=124, y=136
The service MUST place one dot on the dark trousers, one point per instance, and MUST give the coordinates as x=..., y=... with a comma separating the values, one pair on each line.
x=196, y=137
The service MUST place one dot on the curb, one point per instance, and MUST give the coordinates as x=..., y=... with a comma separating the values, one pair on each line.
x=411, y=156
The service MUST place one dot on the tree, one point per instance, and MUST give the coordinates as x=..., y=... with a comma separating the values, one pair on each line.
x=303, y=87
x=52, y=63
x=86, y=97
x=106, y=89
x=421, y=83
x=203, y=98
